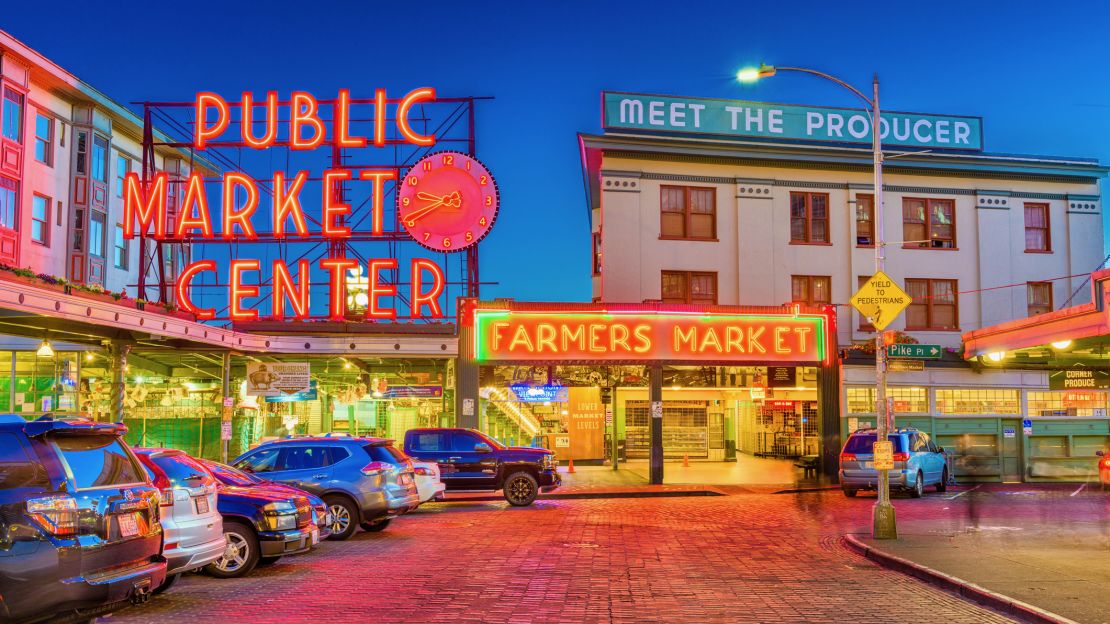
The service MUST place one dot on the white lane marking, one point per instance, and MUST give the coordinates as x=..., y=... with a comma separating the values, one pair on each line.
x=1080, y=489
x=965, y=492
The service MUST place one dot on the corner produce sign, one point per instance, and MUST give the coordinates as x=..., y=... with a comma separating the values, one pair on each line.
x=510, y=335
x=738, y=118
x=446, y=202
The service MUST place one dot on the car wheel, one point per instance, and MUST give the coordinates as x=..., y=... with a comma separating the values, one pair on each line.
x=376, y=527
x=344, y=518
x=918, y=486
x=267, y=561
x=849, y=492
x=521, y=489
x=943, y=485
x=168, y=583
x=240, y=555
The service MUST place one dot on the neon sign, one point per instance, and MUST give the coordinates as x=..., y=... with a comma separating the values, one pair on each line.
x=447, y=215
x=526, y=336
x=551, y=393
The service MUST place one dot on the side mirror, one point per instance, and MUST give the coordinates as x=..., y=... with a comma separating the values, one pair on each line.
x=940, y=449
x=482, y=447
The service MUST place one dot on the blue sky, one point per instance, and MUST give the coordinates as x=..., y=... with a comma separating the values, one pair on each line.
x=1036, y=76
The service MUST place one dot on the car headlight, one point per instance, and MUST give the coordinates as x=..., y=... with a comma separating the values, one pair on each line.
x=281, y=516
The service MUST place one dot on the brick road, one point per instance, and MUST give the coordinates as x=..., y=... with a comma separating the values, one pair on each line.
x=741, y=558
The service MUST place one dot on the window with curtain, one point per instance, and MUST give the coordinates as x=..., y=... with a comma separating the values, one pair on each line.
x=1037, y=237
x=810, y=289
x=689, y=287
x=688, y=212
x=865, y=220
x=809, y=217
x=934, y=306
x=1040, y=297
x=928, y=223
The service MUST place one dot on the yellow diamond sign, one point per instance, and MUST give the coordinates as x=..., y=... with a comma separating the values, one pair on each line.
x=881, y=300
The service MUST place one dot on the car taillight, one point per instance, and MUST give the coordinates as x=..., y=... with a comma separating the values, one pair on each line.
x=847, y=457
x=901, y=457
x=376, y=468
x=56, y=514
x=165, y=497
x=424, y=472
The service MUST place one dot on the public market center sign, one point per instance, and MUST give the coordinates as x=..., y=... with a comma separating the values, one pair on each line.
x=739, y=118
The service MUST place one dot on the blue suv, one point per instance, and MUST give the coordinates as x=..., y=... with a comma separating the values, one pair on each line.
x=364, y=481
x=918, y=463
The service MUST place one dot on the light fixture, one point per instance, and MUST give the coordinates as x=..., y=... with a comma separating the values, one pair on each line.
x=138, y=380
x=89, y=356
x=751, y=74
x=1061, y=344
x=45, y=350
x=996, y=356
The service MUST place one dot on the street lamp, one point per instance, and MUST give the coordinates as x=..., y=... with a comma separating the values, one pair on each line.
x=883, y=521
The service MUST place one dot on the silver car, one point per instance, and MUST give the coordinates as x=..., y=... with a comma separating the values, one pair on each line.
x=918, y=463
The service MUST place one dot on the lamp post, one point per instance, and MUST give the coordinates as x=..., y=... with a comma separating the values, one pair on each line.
x=882, y=516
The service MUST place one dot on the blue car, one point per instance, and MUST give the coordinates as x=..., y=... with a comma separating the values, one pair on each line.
x=918, y=463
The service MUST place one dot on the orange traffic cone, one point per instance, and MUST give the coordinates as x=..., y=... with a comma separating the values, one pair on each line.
x=570, y=465
x=686, y=460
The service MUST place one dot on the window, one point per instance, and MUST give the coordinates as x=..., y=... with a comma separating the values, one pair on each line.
x=119, y=244
x=44, y=139
x=98, y=460
x=82, y=153
x=99, y=159
x=865, y=220
x=1037, y=237
x=864, y=324
x=17, y=469
x=264, y=460
x=40, y=220
x=864, y=443
x=597, y=253
x=978, y=401
x=929, y=223
x=96, y=234
x=809, y=218
x=9, y=203
x=934, y=304
x=183, y=471
x=123, y=167
x=311, y=457
x=905, y=400
x=688, y=212
x=1067, y=403
x=462, y=442
x=810, y=289
x=11, y=119
x=1040, y=298
x=431, y=441
x=689, y=287
x=386, y=453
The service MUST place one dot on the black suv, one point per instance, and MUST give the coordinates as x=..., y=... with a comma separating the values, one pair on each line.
x=79, y=530
x=470, y=460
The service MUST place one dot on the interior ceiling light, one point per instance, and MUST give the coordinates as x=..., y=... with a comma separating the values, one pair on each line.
x=45, y=350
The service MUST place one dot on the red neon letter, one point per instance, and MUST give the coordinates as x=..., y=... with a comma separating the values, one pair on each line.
x=203, y=131
x=284, y=285
x=184, y=281
x=239, y=290
x=377, y=208
x=195, y=196
x=145, y=210
x=427, y=93
x=378, y=289
x=337, y=306
x=302, y=118
x=287, y=203
x=379, y=118
x=342, y=114
x=430, y=298
x=333, y=208
x=247, y=122
x=243, y=215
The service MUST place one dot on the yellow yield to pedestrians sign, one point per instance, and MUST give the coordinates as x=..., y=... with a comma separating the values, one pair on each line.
x=881, y=300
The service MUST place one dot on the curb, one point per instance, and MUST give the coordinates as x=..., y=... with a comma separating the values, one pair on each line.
x=805, y=490
x=590, y=495
x=965, y=589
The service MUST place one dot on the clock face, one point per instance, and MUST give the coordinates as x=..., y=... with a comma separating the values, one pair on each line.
x=447, y=201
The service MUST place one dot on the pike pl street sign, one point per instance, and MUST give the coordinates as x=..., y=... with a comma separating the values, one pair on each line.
x=914, y=351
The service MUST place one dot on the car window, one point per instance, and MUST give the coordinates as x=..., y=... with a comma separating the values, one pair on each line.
x=918, y=444
x=263, y=460
x=179, y=469
x=17, y=469
x=430, y=441
x=385, y=453
x=230, y=476
x=464, y=441
x=864, y=443
x=929, y=442
x=312, y=457
x=98, y=460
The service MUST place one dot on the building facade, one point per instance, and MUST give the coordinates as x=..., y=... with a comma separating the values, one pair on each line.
x=975, y=239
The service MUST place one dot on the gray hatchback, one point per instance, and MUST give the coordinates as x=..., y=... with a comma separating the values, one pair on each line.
x=364, y=481
x=918, y=463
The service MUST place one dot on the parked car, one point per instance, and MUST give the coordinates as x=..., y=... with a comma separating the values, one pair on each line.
x=191, y=522
x=226, y=475
x=364, y=481
x=261, y=526
x=79, y=529
x=428, y=483
x=1103, y=470
x=470, y=460
x=918, y=462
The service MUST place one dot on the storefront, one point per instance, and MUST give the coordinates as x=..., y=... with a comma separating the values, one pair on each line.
x=652, y=381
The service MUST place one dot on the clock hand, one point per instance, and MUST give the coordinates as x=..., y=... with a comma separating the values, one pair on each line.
x=416, y=214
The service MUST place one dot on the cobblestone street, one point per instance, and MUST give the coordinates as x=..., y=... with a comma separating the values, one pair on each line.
x=748, y=557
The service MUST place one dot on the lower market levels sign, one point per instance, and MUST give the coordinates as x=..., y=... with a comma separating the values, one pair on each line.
x=914, y=351
x=1078, y=378
x=558, y=335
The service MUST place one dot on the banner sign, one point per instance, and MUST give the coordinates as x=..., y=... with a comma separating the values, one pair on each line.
x=412, y=392
x=296, y=397
x=1078, y=378
x=552, y=393
x=527, y=336
x=742, y=119
x=271, y=379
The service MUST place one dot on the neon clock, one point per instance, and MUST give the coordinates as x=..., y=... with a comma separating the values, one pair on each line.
x=447, y=201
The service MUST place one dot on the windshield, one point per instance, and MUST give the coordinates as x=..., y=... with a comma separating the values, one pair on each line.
x=183, y=471
x=864, y=444
x=98, y=460
x=385, y=453
x=231, y=476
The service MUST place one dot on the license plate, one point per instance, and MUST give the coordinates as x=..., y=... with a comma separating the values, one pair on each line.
x=128, y=525
x=868, y=464
x=202, y=504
